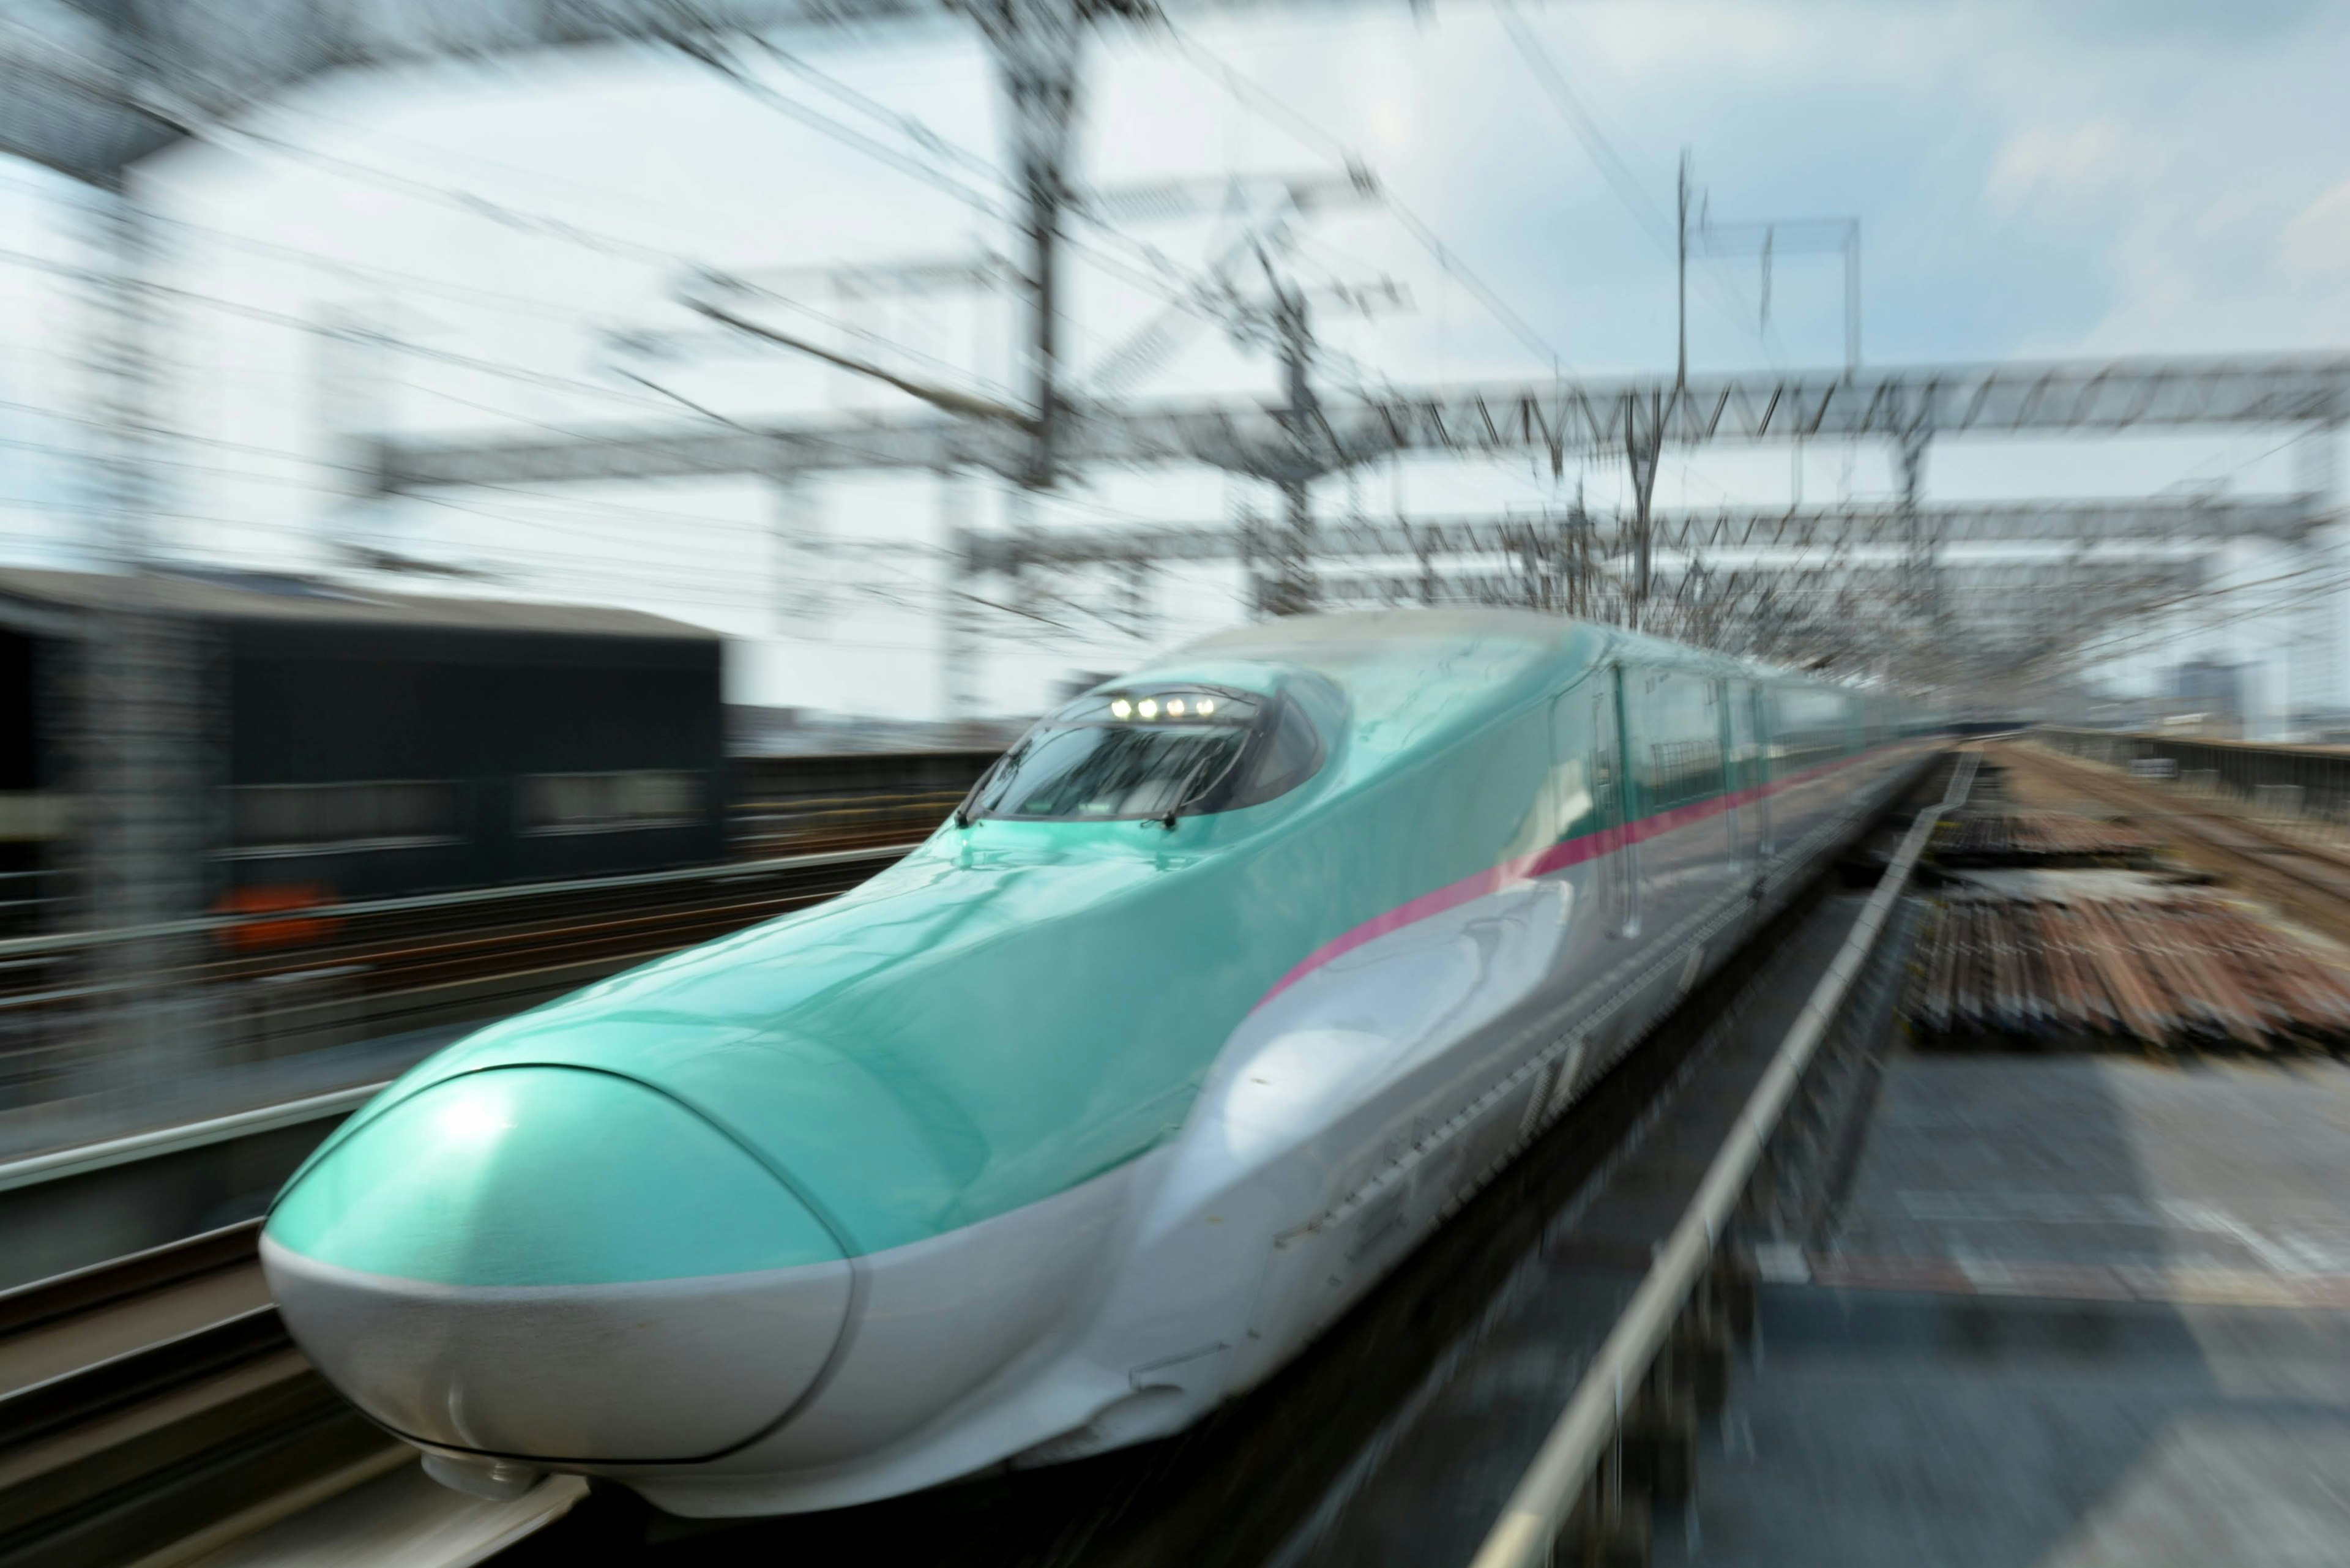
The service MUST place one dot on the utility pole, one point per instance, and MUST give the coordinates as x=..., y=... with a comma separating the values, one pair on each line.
x=1644, y=443
x=1293, y=583
x=1286, y=322
x=2315, y=665
x=141, y=729
x=1776, y=238
x=1852, y=301
x=960, y=689
x=1920, y=547
x=1680, y=261
x=1037, y=45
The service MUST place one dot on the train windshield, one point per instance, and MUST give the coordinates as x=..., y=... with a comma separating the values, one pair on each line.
x=1150, y=752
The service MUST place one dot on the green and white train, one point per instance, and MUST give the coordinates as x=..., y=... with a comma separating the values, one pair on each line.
x=1222, y=989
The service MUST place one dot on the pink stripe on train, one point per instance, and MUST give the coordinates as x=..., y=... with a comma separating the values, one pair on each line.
x=1526, y=867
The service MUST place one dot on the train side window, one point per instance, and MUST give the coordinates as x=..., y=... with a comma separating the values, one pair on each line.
x=1587, y=777
x=1676, y=740
x=1607, y=750
x=1808, y=727
x=1588, y=729
x=1745, y=752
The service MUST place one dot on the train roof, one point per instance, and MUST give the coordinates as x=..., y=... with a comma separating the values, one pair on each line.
x=1333, y=642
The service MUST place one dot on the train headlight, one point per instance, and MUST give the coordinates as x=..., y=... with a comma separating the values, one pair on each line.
x=1119, y=708
x=1146, y=708
x=1175, y=707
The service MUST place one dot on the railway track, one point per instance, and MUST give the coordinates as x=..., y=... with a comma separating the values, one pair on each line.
x=2310, y=880
x=152, y=1411
x=145, y=1399
x=290, y=982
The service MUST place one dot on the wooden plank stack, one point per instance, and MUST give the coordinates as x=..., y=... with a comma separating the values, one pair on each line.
x=2016, y=837
x=2170, y=973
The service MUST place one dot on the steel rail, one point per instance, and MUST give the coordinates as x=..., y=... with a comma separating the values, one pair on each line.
x=1544, y=1498
x=2293, y=864
x=53, y=1164
x=39, y=1301
x=723, y=871
x=81, y=1158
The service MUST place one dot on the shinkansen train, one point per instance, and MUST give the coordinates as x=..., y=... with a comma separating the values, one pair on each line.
x=1219, y=992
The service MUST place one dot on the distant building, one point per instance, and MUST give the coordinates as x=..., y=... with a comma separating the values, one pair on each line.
x=361, y=743
x=2208, y=698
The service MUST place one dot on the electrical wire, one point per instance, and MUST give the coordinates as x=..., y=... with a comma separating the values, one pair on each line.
x=1611, y=164
x=715, y=56
x=600, y=574
x=1178, y=292
x=617, y=510
x=905, y=124
x=1174, y=283
x=1159, y=276
x=2107, y=648
x=278, y=319
x=458, y=292
x=1274, y=105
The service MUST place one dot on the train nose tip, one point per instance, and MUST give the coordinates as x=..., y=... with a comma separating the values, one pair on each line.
x=554, y=1263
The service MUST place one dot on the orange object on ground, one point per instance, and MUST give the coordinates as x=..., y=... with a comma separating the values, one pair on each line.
x=254, y=935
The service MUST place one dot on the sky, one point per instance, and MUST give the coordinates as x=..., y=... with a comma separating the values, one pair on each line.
x=2102, y=178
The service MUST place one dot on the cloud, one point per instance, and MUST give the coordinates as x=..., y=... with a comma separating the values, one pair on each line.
x=2197, y=20
x=2060, y=174
x=2317, y=241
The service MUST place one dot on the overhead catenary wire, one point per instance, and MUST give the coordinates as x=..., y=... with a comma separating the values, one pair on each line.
x=718, y=58
x=1274, y=106
x=470, y=294
x=262, y=314
x=1184, y=293
x=668, y=588
x=1579, y=117
x=905, y=124
x=1183, y=290
x=2138, y=639
x=369, y=474
x=1176, y=290
x=1602, y=150
x=461, y=293
x=634, y=518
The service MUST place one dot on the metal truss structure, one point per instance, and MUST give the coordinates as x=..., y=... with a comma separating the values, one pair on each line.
x=140, y=722
x=2194, y=521
x=1308, y=435
x=1994, y=621
x=88, y=89
x=1905, y=404
x=1820, y=586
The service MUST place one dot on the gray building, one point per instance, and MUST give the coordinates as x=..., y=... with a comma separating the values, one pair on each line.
x=2211, y=696
x=362, y=743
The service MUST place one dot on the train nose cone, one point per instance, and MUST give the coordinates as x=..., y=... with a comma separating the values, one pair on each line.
x=556, y=1265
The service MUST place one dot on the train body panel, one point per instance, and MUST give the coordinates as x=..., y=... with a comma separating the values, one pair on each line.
x=1106, y=1119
